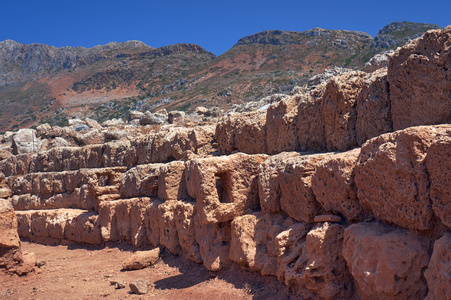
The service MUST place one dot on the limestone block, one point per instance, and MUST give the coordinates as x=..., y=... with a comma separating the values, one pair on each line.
x=227, y=186
x=184, y=221
x=373, y=107
x=171, y=181
x=338, y=110
x=297, y=198
x=253, y=241
x=9, y=237
x=392, y=179
x=281, y=121
x=245, y=132
x=334, y=187
x=438, y=273
x=268, y=181
x=386, y=263
x=418, y=74
x=214, y=243
x=310, y=124
x=438, y=165
x=141, y=180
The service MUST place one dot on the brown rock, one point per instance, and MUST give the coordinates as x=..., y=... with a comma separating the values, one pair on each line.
x=175, y=142
x=325, y=273
x=140, y=181
x=268, y=181
x=90, y=137
x=184, y=222
x=84, y=228
x=245, y=132
x=385, y=263
x=124, y=220
x=138, y=287
x=171, y=181
x=420, y=89
x=8, y=226
x=439, y=169
x=438, y=273
x=214, y=243
x=334, y=187
x=281, y=120
x=253, y=241
x=167, y=224
x=392, y=180
x=141, y=259
x=152, y=222
x=297, y=198
x=338, y=110
x=373, y=107
x=290, y=247
x=310, y=124
x=225, y=187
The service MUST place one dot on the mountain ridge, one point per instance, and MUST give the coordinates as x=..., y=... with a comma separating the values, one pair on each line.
x=56, y=84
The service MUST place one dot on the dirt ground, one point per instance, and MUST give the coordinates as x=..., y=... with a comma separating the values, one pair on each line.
x=86, y=272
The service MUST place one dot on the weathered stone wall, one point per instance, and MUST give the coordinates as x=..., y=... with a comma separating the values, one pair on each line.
x=368, y=223
x=318, y=222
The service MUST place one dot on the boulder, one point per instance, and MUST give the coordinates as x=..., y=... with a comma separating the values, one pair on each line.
x=338, y=110
x=310, y=124
x=25, y=141
x=438, y=273
x=176, y=117
x=149, y=118
x=269, y=181
x=334, y=187
x=392, y=180
x=297, y=199
x=379, y=61
x=184, y=223
x=438, y=165
x=224, y=187
x=386, y=263
x=281, y=120
x=373, y=108
x=124, y=220
x=171, y=181
x=243, y=132
x=418, y=74
x=141, y=259
x=141, y=181
x=253, y=241
x=214, y=243
x=325, y=272
x=167, y=224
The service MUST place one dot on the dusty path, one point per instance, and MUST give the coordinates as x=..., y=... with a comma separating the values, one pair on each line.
x=74, y=272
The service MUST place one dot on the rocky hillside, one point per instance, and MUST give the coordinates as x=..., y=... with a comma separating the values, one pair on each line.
x=340, y=190
x=41, y=83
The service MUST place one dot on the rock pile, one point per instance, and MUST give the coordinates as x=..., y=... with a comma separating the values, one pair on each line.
x=388, y=202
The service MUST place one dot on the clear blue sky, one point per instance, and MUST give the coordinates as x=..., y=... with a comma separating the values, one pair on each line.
x=214, y=25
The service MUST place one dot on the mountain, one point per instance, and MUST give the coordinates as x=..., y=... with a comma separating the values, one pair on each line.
x=41, y=83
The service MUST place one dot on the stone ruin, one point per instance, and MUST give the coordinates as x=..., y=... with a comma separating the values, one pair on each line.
x=340, y=191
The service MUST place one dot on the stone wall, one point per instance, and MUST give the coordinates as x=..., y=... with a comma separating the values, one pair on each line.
x=371, y=222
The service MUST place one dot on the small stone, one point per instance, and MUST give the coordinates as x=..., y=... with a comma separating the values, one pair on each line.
x=327, y=218
x=141, y=259
x=138, y=287
x=40, y=263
